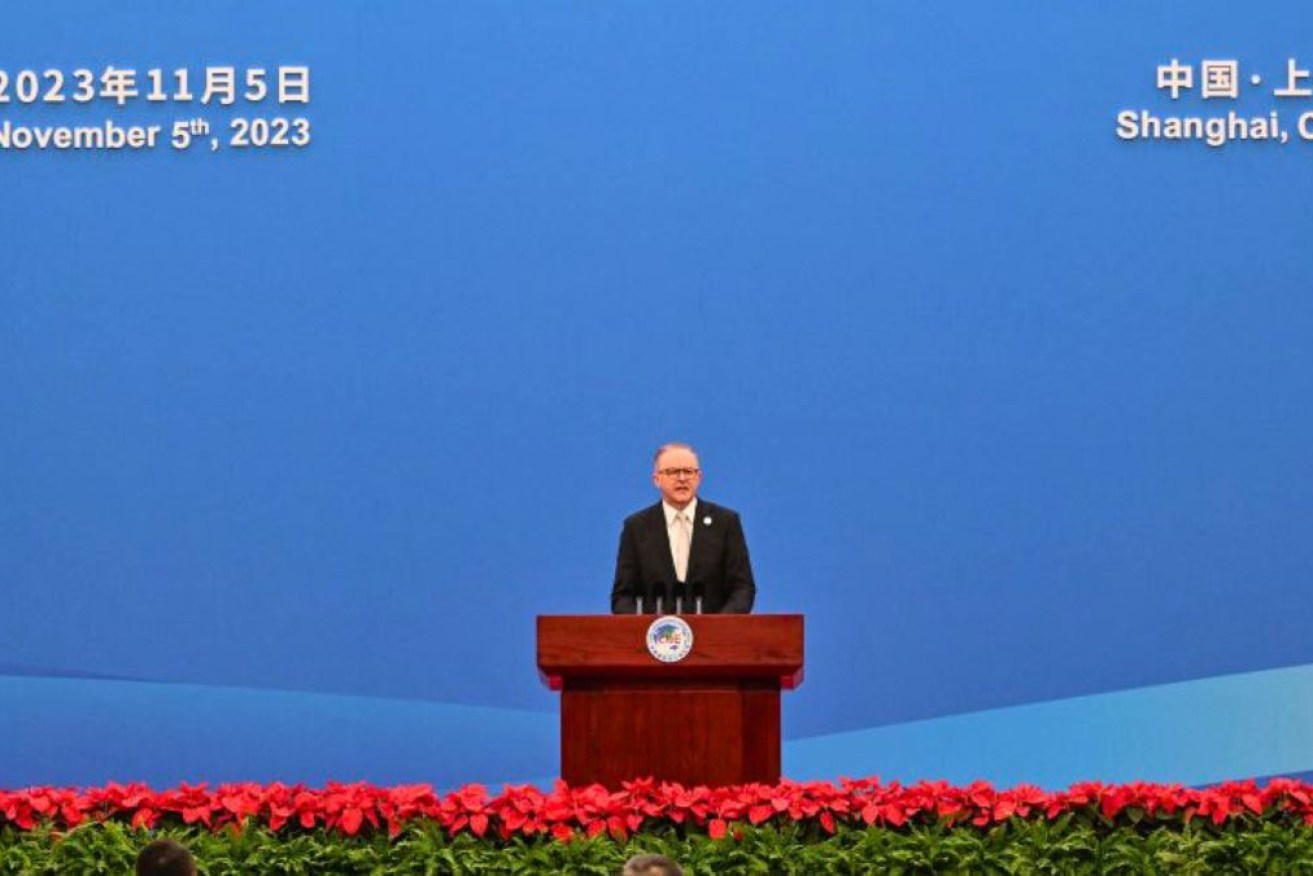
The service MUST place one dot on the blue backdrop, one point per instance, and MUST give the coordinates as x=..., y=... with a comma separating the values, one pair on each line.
x=297, y=442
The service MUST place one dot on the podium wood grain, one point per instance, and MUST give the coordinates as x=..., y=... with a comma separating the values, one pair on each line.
x=710, y=719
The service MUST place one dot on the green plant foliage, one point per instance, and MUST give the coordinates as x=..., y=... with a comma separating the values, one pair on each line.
x=1071, y=844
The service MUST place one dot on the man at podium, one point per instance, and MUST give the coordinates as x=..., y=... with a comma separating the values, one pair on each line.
x=683, y=551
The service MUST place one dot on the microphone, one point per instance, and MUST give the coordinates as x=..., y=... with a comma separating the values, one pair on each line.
x=696, y=589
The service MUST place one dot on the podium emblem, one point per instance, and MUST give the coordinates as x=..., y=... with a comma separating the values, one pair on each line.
x=669, y=639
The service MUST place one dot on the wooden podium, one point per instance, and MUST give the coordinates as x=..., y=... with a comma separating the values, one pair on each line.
x=712, y=718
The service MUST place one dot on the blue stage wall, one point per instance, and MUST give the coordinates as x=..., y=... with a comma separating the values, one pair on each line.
x=298, y=440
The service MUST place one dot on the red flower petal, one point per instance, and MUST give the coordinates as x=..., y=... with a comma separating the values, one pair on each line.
x=350, y=821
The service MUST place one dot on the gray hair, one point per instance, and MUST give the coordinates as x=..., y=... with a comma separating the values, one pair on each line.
x=651, y=865
x=671, y=445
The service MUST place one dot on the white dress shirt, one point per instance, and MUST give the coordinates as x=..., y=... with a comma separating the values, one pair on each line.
x=690, y=510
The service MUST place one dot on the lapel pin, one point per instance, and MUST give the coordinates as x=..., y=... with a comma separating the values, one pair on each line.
x=706, y=521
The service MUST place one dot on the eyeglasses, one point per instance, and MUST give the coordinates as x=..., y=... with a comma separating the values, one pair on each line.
x=680, y=472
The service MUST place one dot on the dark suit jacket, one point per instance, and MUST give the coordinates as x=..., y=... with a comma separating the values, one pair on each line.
x=718, y=565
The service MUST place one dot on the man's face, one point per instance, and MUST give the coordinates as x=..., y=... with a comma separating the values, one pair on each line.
x=677, y=476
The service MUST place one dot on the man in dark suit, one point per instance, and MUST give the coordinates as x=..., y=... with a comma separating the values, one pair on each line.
x=682, y=545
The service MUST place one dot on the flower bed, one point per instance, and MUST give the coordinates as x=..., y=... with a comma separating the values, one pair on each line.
x=565, y=812
x=851, y=826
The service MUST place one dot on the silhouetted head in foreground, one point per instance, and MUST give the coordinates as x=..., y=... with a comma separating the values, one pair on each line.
x=165, y=857
x=651, y=865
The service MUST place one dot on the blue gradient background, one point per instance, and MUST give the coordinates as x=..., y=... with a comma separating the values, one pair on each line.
x=295, y=446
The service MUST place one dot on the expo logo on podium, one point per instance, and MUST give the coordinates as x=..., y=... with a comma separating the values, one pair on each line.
x=669, y=639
